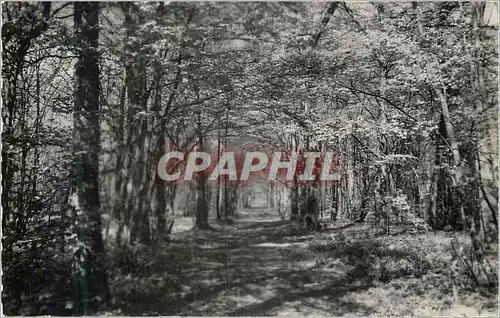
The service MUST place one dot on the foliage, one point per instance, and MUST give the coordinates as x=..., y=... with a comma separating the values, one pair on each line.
x=403, y=93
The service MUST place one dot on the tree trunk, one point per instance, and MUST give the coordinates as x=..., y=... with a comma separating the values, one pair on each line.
x=117, y=201
x=93, y=291
x=201, y=200
x=294, y=203
x=217, y=194
x=271, y=196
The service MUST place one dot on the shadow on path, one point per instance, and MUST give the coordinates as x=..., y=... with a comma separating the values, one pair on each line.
x=253, y=268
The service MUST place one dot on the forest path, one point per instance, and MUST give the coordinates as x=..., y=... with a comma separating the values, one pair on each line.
x=255, y=267
x=261, y=265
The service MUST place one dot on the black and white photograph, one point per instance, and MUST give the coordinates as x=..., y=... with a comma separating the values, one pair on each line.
x=294, y=159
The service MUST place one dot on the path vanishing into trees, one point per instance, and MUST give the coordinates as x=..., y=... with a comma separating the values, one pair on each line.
x=399, y=100
x=258, y=264
x=252, y=267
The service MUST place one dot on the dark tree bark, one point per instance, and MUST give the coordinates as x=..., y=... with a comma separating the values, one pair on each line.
x=330, y=10
x=201, y=200
x=92, y=292
x=217, y=193
x=294, y=203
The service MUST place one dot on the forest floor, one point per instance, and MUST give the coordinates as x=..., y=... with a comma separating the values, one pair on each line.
x=261, y=265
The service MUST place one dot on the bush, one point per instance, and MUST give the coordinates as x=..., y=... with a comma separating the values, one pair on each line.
x=37, y=272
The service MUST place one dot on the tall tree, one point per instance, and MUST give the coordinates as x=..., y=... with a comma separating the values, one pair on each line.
x=91, y=280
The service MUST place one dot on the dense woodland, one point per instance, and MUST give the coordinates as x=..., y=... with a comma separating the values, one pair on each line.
x=95, y=92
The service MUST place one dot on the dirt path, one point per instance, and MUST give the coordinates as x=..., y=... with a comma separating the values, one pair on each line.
x=256, y=266
x=253, y=268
